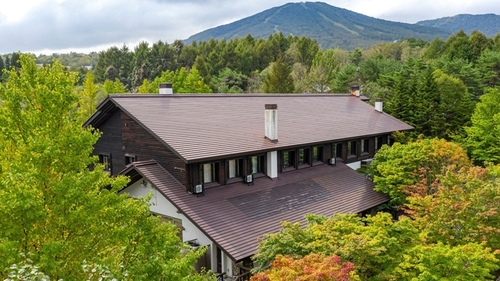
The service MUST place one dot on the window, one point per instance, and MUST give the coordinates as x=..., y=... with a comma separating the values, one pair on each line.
x=365, y=145
x=379, y=141
x=209, y=172
x=257, y=164
x=337, y=150
x=235, y=168
x=352, y=149
x=317, y=154
x=303, y=156
x=288, y=159
x=129, y=159
x=105, y=160
x=175, y=221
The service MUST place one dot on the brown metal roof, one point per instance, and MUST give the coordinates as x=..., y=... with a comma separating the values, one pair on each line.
x=200, y=127
x=235, y=216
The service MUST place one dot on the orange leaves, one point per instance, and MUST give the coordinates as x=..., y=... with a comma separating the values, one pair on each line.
x=313, y=267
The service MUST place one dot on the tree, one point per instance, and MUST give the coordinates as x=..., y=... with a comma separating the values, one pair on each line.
x=379, y=248
x=483, y=136
x=279, y=79
x=229, y=81
x=114, y=87
x=488, y=66
x=309, y=268
x=397, y=167
x=88, y=98
x=57, y=210
x=421, y=96
x=462, y=209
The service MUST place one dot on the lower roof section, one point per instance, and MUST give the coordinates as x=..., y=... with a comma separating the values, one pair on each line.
x=235, y=216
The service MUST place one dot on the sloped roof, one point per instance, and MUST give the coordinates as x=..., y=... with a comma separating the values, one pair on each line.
x=202, y=127
x=235, y=216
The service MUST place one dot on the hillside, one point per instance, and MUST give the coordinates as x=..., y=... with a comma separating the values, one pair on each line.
x=488, y=24
x=331, y=26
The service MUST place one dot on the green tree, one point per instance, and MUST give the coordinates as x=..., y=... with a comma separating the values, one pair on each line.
x=88, y=98
x=379, y=248
x=483, y=136
x=429, y=100
x=229, y=81
x=489, y=66
x=114, y=87
x=57, y=211
x=279, y=79
x=397, y=167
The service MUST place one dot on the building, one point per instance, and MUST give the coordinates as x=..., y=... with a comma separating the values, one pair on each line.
x=229, y=168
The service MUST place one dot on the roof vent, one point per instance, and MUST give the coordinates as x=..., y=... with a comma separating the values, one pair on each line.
x=271, y=122
x=166, y=89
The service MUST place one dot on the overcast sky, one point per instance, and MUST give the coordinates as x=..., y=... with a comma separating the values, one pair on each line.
x=62, y=26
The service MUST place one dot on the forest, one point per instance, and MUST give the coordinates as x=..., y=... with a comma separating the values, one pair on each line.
x=442, y=176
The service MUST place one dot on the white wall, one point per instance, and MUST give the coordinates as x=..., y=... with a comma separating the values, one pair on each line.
x=354, y=165
x=160, y=205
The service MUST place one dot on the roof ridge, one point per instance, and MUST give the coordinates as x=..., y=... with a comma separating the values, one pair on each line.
x=221, y=95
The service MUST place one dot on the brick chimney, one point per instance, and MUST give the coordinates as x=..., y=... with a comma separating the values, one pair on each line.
x=166, y=89
x=355, y=91
x=379, y=105
x=271, y=122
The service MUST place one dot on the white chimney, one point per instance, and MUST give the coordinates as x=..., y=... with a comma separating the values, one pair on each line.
x=271, y=122
x=379, y=105
x=166, y=89
x=355, y=91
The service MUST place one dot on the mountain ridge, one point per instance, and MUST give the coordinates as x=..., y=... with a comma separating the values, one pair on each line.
x=488, y=24
x=331, y=26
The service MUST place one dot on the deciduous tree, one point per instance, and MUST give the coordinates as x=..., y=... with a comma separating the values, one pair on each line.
x=59, y=212
x=397, y=167
x=483, y=136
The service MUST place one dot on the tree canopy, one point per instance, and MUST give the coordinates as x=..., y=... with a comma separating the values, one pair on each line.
x=59, y=214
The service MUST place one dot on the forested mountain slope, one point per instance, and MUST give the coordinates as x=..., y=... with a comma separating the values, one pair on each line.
x=488, y=24
x=331, y=26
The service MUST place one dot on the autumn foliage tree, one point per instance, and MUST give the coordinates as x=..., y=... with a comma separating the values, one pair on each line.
x=313, y=267
x=423, y=161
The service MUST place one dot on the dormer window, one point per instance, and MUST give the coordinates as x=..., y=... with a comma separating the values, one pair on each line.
x=304, y=159
x=365, y=146
x=209, y=172
x=235, y=168
x=288, y=158
x=317, y=155
x=337, y=151
x=257, y=164
x=379, y=141
x=352, y=149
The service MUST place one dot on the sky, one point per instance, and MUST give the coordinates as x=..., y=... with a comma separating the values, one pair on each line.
x=83, y=26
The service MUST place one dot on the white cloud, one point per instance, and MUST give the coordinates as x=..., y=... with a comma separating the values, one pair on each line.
x=31, y=26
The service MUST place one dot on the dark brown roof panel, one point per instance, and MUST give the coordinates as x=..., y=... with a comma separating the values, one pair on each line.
x=235, y=216
x=200, y=127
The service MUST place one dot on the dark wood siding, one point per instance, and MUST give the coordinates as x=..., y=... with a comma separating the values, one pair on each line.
x=111, y=142
x=139, y=142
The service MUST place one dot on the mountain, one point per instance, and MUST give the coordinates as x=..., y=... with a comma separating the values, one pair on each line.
x=487, y=24
x=331, y=26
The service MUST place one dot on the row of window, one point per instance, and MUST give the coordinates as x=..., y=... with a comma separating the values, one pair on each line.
x=289, y=160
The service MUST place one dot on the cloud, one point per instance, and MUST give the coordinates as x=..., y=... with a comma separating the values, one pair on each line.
x=31, y=26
